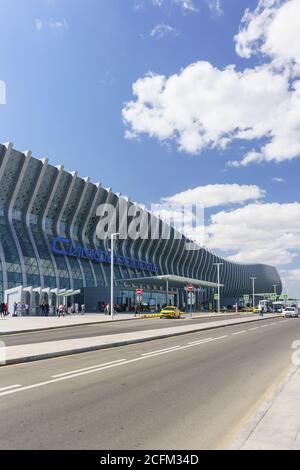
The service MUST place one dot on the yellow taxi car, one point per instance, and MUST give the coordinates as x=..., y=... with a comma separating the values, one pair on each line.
x=170, y=312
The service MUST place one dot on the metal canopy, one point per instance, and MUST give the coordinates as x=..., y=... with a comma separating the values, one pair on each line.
x=173, y=281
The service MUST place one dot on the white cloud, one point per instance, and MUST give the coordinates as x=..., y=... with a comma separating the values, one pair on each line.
x=278, y=179
x=291, y=281
x=185, y=5
x=54, y=25
x=38, y=24
x=203, y=106
x=272, y=29
x=206, y=107
x=2, y=92
x=162, y=29
x=215, y=7
x=58, y=25
x=213, y=195
x=264, y=233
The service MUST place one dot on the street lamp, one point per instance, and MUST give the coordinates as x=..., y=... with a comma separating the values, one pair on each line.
x=253, y=291
x=218, y=267
x=112, y=274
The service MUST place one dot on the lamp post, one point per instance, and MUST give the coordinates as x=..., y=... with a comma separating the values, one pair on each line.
x=112, y=274
x=253, y=291
x=218, y=268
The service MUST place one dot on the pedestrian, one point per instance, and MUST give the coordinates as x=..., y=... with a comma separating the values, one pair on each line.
x=47, y=309
x=82, y=309
x=19, y=309
x=27, y=310
x=76, y=307
x=15, y=309
x=107, y=309
x=6, y=312
x=2, y=309
x=61, y=310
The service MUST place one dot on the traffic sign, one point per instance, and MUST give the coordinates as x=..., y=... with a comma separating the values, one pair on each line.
x=272, y=296
x=189, y=287
x=139, y=291
x=284, y=297
x=246, y=298
x=216, y=296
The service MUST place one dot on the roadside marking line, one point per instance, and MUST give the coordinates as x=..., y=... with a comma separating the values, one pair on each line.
x=69, y=376
x=200, y=341
x=239, y=332
x=221, y=337
x=161, y=350
x=255, y=328
x=9, y=387
x=87, y=368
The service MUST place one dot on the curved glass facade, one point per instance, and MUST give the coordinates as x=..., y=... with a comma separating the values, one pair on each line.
x=43, y=207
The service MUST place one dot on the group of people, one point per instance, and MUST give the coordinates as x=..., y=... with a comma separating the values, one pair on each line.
x=18, y=309
x=3, y=309
x=63, y=310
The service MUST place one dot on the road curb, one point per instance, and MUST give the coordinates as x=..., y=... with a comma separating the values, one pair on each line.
x=8, y=333
x=245, y=431
x=69, y=352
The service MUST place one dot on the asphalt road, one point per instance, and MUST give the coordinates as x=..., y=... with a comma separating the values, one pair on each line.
x=140, y=397
x=100, y=329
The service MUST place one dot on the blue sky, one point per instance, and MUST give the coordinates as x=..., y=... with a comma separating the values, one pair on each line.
x=69, y=67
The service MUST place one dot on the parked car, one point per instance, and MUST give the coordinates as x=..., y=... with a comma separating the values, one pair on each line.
x=170, y=312
x=291, y=312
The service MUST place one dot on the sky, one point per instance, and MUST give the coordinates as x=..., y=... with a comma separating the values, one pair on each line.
x=177, y=101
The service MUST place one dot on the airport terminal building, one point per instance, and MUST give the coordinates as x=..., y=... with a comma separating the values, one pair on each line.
x=49, y=245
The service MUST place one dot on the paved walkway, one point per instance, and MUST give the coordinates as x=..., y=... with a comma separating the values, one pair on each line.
x=276, y=425
x=36, y=351
x=10, y=325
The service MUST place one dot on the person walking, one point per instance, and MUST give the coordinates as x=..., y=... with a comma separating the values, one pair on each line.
x=82, y=309
x=15, y=309
x=2, y=308
x=47, y=309
x=107, y=309
x=19, y=309
x=61, y=310
x=27, y=310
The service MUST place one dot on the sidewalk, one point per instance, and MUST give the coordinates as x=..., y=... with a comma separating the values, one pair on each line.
x=276, y=425
x=45, y=350
x=13, y=325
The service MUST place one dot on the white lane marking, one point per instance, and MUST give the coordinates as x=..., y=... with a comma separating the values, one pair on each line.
x=187, y=346
x=9, y=387
x=67, y=377
x=90, y=371
x=254, y=328
x=264, y=326
x=87, y=368
x=239, y=332
x=200, y=341
x=161, y=350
